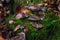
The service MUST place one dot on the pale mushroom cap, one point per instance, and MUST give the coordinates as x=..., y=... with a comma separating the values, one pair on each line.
x=18, y=16
x=34, y=18
x=33, y=7
x=17, y=27
x=11, y=21
x=37, y=25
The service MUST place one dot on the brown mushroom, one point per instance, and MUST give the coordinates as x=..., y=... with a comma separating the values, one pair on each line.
x=23, y=10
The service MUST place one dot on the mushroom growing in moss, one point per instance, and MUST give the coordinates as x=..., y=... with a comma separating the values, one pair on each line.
x=36, y=7
x=23, y=10
x=37, y=25
x=11, y=21
x=19, y=27
x=34, y=18
x=19, y=16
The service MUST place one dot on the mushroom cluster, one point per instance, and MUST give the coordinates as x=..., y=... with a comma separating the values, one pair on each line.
x=22, y=12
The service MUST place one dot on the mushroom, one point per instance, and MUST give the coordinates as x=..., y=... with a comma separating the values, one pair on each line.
x=23, y=10
x=18, y=27
x=40, y=4
x=19, y=16
x=11, y=21
x=26, y=12
x=35, y=7
x=34, y=18
x=37, y=25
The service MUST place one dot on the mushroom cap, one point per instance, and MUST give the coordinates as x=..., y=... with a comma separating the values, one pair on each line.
x=23, y=10
x=19, y=27
x=26, y=11
x=33, y=8
x=19, y=8
x=11, y=21
x=34, y=18
x=37, y=25
x=40, y=4
x=18, y=16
